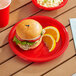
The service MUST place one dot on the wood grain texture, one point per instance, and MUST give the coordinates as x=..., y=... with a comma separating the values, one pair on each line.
x=6, y=52
x=69, y=32
x=12, y=66
x=15, y=64
x=64, y=18
x=38, y=69
x=4, y=37
x=15, y=17
x=61, y=18
x=21, y=13
x=66, y=8
x=66, y=69
x=18, y=3
x=27, y=11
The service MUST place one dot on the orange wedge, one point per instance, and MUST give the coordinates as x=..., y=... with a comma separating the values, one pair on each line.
x=53, y=31
x=49, y=41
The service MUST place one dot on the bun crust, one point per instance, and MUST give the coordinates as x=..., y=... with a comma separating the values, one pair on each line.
x=28, y=29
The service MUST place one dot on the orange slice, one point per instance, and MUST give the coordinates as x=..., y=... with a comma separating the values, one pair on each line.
x=53, y=31
x=49, y=41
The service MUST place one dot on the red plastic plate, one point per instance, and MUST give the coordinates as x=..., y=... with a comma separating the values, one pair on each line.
x=41, y=53
x=49, y=8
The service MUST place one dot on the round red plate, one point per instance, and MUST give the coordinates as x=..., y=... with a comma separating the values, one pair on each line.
x=49, y=8
x=41, y=53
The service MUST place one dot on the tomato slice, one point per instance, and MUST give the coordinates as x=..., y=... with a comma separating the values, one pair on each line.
x=28, y=40
x=18, y=37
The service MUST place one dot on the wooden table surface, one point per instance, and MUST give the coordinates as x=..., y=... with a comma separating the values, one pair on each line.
x=12, y=65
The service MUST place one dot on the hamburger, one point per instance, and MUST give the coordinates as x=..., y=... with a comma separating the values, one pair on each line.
x=28, y=34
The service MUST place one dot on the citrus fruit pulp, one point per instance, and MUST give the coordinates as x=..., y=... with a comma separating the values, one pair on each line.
x=49, y=41
x=52, y=31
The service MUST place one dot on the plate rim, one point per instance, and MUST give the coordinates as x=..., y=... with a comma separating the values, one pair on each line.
x=27, y=58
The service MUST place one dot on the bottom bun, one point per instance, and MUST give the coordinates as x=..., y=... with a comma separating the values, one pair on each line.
x=27, y=47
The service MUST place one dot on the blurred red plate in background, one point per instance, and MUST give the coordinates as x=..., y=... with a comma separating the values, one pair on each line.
x=41, y=53
x=49, y=8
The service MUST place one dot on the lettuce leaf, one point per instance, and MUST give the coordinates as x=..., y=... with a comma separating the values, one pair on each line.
x=16, y=40
x=22, y=42
x=41, y=33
